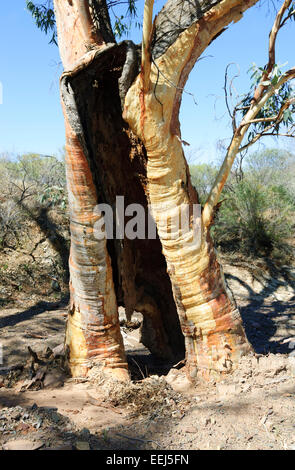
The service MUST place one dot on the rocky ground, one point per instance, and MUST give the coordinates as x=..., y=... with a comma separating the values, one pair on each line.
x=252, y=409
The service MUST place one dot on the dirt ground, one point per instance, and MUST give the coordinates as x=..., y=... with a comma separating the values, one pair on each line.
x=254, y=408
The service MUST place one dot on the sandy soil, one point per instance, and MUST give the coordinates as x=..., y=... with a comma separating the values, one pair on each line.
x=252, y=409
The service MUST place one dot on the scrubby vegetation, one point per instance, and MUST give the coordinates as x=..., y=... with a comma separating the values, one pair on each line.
x=33, y=196
x=257, y=215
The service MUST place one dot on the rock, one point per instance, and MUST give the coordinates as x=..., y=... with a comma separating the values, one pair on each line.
x=39, y=423
x=85, y=433
x=23, y=444
x=190, y=429
x=122, y=316
x=58, y=350
x=82, y=445
x=179, y=381
x=55, y=417
x=55, y=285
x=16, y=414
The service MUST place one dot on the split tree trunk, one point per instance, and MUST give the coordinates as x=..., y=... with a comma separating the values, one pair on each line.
x=145, y=164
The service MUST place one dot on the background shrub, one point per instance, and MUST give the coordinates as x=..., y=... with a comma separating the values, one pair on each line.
x=257, y=216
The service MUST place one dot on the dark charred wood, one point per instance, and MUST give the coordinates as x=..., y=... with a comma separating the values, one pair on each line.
x=174, y=18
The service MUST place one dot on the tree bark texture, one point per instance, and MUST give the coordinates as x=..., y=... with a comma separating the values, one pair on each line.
x=211, y=324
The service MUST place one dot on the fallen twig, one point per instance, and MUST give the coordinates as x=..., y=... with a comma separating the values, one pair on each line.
x=137, y=439
x=35, y=335
x=95, y=402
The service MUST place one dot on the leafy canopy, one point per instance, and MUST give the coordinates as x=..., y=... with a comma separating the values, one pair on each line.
x=44, y=17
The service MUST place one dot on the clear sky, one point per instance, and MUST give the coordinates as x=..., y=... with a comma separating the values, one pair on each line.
x=31, y=117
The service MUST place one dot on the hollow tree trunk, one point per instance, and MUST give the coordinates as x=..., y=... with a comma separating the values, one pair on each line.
x=179, y=289
x=104, y=159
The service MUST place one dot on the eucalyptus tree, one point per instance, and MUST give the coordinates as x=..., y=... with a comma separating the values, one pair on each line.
x=121, y=106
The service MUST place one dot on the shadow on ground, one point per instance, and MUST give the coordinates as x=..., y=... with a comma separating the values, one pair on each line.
x=268, y=322
x=40, y=307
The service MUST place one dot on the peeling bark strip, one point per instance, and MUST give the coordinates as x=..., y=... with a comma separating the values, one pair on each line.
x=215, y=338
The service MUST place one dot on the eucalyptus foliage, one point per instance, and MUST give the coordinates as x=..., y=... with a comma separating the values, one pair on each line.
x=43, y=15
x=273, y=105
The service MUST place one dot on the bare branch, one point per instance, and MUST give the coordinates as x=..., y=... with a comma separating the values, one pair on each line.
x=292, y=13
x=236, y=141
x=231, y=113
x=146, y=43
x=226, y=97
x=277, y=119
x=271, y=50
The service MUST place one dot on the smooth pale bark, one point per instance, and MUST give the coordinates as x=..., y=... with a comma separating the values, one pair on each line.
x=211, y=324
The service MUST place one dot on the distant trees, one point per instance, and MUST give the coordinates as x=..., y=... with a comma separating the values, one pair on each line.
x=257, y=215
x=32, y=177
x=33, y=191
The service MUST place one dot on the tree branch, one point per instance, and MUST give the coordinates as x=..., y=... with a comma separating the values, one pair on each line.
x=146, y=43
x=271, y=50
x=234, y=146
x=231, y=114
x=90, y=32
x=261, y=95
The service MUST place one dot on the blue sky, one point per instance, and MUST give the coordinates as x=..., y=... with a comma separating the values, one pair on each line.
x=31, y=117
